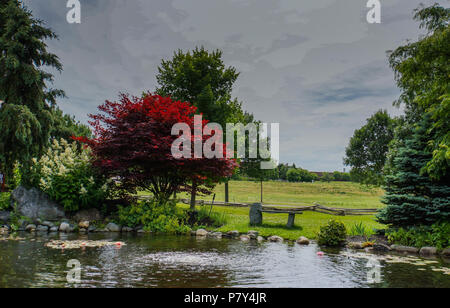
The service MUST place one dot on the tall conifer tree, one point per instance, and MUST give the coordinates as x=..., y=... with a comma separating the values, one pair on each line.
x=26, y=112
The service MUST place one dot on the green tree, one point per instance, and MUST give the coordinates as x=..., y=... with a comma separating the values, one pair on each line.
x=326, y=177
x=65, y=126
x=300, y=175
x=26, y=113
x=201, y=78
x=411, y=197
x=282, y=171
x=367, y=149
x=422, y=71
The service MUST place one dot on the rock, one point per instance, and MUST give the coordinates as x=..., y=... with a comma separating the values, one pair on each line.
x=275, y=238
x=201, y=232
x=112, y=227
x=88, y=215
x=446, y=252
x=4, y=216
x=127, y=229
x=83, y=224
x=355, y=245
x=405, y=249
x=428, y=251
x=42, y=228
x=83, y=230
x=30, y=228
x=34, y=204
x=303, y=241
x=215, y=234
x=4, y=230
x=54, y=229
x=260, y=239
x=233, y=233
x=49, y=224
x=22, y=224
x=244, y=238
x=253, y=234
x=140, y=231
x=92, y=229
x=378, y=247
x=65, y=227
x=255, y=214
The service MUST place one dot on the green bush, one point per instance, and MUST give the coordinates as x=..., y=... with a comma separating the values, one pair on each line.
x=5, y=201
x=166, y=218
x=438, y=235
x=332, y=234
x=66, y=175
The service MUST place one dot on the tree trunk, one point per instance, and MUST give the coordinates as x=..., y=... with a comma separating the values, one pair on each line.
x=193, y=194
x=226, y=192
x=261, y=191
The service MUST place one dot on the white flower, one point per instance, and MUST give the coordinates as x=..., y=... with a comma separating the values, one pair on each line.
x=43, y=184
x=83, y=190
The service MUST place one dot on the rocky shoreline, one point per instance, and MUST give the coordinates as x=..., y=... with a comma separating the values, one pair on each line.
x=43, y=216
x=85, y=226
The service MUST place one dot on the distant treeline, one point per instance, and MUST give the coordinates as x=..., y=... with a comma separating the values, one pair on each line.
x=291, y=173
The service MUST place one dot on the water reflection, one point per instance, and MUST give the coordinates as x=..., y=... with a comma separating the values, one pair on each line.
x=170, y=261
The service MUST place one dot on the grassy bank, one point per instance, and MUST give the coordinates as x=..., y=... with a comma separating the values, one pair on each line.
x=334, y=194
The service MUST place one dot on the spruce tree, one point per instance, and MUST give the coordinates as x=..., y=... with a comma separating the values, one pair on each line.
x=26, y=112
x=413, y=198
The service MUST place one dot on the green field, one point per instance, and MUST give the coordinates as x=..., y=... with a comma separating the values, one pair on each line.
x=333, y=194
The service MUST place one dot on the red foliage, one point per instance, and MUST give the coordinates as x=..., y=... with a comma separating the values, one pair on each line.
x=133, y=144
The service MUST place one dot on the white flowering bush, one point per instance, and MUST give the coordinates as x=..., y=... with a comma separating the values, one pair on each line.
x=66, y=175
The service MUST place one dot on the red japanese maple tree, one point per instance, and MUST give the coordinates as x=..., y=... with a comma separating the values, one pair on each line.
x=133, y=143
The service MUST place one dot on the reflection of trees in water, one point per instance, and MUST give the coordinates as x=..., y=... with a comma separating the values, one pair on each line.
x=162, y=261
x=401, y=275
x=170, y=261
x=28, y=263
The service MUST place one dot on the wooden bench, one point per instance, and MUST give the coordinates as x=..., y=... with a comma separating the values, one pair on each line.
x=291, y=217
x=256, y=211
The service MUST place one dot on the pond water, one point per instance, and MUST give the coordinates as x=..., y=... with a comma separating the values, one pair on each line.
x=184, y=261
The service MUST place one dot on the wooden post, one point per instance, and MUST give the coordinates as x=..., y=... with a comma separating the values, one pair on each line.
x=226, y=192
x=291, y=220
x=261, y=191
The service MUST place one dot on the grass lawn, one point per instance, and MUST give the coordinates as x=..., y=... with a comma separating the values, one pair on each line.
x=334, y=194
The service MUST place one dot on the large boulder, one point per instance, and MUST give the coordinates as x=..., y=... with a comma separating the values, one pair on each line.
x=83, y=224
x=276, y=239
x=303, y=240
x=34, y=204
x=253, y=234
x=65, y=227
x=4, y=217
x=112, y=227
x=428, y=251
x=446, y=252
x=201, y=232
x=405, y=249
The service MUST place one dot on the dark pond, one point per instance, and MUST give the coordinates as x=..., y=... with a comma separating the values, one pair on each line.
x=179, y=261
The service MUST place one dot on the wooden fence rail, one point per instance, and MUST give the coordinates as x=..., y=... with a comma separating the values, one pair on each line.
x=283, y=208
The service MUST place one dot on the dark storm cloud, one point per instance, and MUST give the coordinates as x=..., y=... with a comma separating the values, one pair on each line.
x=315, y=66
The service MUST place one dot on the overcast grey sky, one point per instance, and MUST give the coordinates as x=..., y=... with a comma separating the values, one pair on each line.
x=314, y=66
